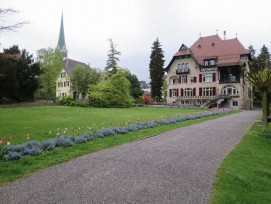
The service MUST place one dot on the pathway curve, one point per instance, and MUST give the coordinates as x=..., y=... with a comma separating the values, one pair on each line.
x=174, y=167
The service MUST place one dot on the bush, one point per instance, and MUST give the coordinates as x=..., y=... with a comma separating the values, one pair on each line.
x=266, y=134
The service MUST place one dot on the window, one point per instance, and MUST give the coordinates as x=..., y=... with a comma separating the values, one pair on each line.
x=208, y=91
x=179, y=66
x=60, y=84
x=208, y=77
x=230, y=90
x=174, y=92
x=174, y=81
x=188, y=92
x=183, y=78
x=187, y=65
x=209, y=62
x=235, y=103
x=63, y=75
x=191, y=79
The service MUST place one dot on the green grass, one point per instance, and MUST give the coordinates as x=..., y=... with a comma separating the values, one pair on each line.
x=11, y=170
x=40, y=121
x=245, y=174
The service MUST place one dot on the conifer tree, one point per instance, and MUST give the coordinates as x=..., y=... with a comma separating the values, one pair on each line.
x=112, y=62
x=156, y=68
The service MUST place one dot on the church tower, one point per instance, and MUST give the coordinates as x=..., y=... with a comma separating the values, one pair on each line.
x=61, y=45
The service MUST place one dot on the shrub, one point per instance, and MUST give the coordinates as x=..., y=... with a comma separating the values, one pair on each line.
x=266, y=134
x=120, y=130
x=64, y=141
x=33, y=151
x=49, y=144
x=13, y=156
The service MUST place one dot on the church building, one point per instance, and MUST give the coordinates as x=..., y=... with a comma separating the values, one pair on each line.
x=63, y=83
x=211, y=73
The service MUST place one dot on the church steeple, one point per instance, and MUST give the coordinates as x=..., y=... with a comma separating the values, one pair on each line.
x=61, y=45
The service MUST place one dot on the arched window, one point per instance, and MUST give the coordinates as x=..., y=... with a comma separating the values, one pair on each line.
x=187, y=65
x=229, y=90
x=174, y=80
x=179, y=66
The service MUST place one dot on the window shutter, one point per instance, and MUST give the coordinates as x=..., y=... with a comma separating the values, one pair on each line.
x=180, y=79
x=214, y=91
x=200, y=91
x=214, y=77
x=195, y=79
x=177, y=92
x=194, y=91
x=170, y=92
x=185, y=78
x=181, y=92
x=200, y=77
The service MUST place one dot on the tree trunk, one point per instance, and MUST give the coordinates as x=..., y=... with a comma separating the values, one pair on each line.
x=265, y=110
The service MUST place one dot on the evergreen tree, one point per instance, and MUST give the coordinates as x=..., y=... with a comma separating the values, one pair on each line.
x=252, y=51
x=18, y=76
x=112, y=62
x=156, y=68
x=135, y=88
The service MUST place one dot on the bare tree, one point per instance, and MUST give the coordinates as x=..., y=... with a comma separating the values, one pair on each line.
x=12, y=27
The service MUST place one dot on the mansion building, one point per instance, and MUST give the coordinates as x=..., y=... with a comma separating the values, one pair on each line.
x=211, y=73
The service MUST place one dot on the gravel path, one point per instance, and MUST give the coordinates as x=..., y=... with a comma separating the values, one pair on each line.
x=173, y=167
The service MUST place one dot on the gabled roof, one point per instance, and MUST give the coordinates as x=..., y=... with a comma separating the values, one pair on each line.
x=70, y=65
x=226, y=52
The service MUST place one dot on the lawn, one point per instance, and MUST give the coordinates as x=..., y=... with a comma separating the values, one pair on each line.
x=44, y=122
x=37, y=120
x=245, y=175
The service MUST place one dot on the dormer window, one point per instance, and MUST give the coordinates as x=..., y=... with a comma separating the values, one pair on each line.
x=209, y=62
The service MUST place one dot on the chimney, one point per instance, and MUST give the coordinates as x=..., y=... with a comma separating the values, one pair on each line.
x=224, y=35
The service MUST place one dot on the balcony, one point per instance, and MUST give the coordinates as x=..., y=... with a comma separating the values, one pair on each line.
x=229, y=80
x=183, y=71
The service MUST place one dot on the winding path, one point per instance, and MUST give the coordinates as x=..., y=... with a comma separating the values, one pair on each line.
x=174, y=167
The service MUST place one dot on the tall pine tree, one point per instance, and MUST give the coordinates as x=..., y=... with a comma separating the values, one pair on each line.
x=112, y=61
x=156, y=68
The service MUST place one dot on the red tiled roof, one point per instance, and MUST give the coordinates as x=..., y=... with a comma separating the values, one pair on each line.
x=225, y=51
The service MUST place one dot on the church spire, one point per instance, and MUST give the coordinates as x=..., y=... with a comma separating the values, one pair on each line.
x=61, y=45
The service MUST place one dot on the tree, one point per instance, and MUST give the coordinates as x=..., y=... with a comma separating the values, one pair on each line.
x=260, y=77
x=18, y=77
x=252, y=51
x=112, y=62
x=12, y=27
x=135, y=89
x=111, y=92
x=156, y=69
x=51, y=62
x=81, y=77
x=164, y=88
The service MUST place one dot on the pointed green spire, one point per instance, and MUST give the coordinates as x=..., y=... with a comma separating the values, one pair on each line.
x=61, y=45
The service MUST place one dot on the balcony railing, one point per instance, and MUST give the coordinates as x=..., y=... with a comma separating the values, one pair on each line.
x=183, y=71
x=196, y=97
x=230, y=80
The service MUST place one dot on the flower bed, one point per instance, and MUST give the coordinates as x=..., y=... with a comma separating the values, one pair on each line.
x=33, y=148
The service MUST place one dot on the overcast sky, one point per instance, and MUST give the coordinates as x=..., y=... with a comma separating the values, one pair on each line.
x=134, y=25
